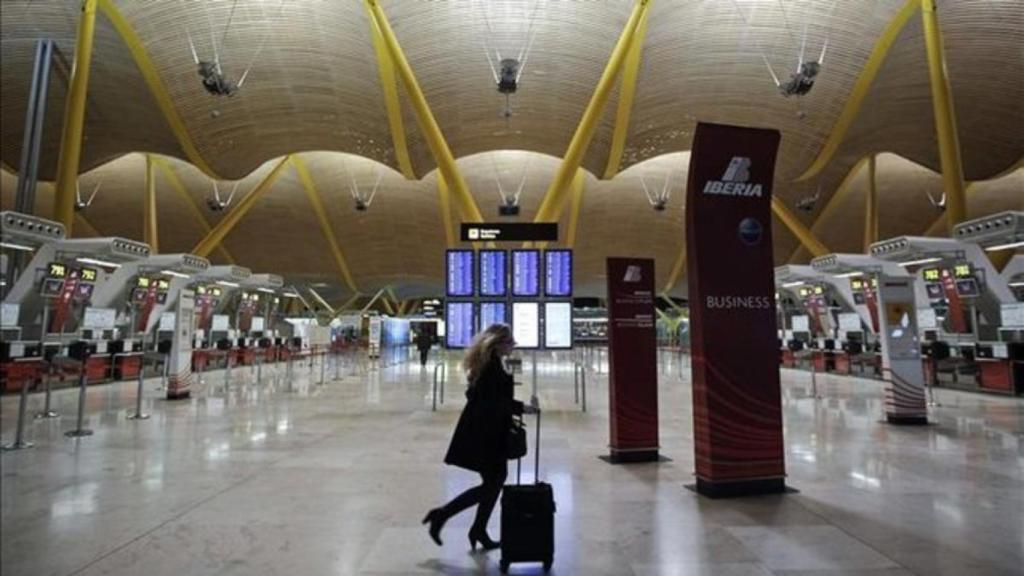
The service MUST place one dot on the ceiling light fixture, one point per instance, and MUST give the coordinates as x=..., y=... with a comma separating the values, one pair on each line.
x=1019, y=244
x=228, y=284
x=175, y=274
x=793, y=284
x=849, y=274
x=98, y=262
x=920, y=261
x=12, y=246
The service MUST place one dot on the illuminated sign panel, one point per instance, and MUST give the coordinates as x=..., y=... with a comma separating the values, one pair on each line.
x=460, y=324
x=493, y=272
x=493, y=313
x=56, y=270
x=526, y=273
x=459, y=273
x=558, y=273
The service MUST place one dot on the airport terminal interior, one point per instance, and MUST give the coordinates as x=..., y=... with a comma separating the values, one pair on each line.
x=680, y=287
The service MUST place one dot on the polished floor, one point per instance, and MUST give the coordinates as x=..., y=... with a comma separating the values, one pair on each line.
x=301, y=479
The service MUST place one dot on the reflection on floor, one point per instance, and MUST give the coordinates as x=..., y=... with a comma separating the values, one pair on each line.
x=252, y=479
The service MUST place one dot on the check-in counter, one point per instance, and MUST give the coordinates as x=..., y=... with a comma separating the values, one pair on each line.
x=998, y=371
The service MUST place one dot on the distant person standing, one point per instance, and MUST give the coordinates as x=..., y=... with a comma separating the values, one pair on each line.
x=424, y=341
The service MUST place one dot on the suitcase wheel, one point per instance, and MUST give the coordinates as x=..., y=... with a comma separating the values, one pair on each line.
x=503, y=565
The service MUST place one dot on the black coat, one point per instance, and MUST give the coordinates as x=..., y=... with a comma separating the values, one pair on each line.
x=478, y=443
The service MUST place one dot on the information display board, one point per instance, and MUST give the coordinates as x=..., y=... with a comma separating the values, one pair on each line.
x=526, y=324
x=9, y=314
x=99, y=318
x=167, y=322
x=258, y=324
x=525, y=273
x=459, y=273
x=460, y=324
x=493, y=272
x=926, y=319
x=849, y=322
x=221, y=323
x=801, y=324
x=1012, y=315
x=557, y=325
x=493, y=313
x=558, y=273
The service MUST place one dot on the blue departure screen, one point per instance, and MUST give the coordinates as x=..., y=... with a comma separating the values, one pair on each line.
x=493, y=270
x=558, y=273
x=493, y=313
x=460, y=324
x=460, y=273
x=526, y=273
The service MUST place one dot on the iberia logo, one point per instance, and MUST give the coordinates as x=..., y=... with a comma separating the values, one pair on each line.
x=735, y=180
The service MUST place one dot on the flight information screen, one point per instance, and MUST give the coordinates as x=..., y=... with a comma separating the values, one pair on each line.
x=459, y=272
x=557, y=325
x=526, y=273
x=526, y=324
x=493, y=313
x=493, y=272
x=460, y=324
x=558, y=273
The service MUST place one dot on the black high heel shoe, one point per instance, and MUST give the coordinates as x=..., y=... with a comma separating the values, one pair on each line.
x=481, y=537
x=436, y=520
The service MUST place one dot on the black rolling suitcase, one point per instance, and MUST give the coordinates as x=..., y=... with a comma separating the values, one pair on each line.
x=528, y=518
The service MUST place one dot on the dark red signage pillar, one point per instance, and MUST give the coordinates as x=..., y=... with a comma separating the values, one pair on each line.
x=632, y=361
x=737, y=411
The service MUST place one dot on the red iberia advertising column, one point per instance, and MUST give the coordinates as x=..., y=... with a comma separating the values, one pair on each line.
x=737, y=412
x=632, y=361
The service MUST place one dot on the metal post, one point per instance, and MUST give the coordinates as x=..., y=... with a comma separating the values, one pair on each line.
x=533, y=369
x=74, y=118
x=323, y=366
x=19, y=442
x=47, y=379
x=444, y=380
x=259, y=367
x=288, y=371
x=138, y=396
x=28, y=168
x=79, y=431
x=227, y=371
x=337, y=365
x=583, y=386
x=434, y=395
x=814, y=378
x=576, y=382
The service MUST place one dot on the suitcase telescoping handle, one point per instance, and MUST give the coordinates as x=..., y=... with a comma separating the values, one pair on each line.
x=536, y=455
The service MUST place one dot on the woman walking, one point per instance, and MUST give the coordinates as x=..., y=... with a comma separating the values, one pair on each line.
x=479, y=442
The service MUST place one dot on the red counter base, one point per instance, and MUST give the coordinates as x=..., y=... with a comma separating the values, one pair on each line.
x=178, y=395
x=739, y=488
x=906, y=420
x=631, y=456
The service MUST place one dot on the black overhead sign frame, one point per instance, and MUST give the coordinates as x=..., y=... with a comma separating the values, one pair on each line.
x=510, y=232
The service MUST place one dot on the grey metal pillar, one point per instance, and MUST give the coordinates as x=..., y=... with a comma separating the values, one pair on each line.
x=28, y=168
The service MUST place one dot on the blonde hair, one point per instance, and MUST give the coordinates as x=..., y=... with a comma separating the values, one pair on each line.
x=483, y=346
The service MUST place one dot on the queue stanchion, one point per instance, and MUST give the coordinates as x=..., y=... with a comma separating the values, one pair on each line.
x=337, y=364
x=227, y=371
x=47, y=412
x=323, y=366
x=576, y=382
x=138, y=396
x=19, y=433
x=583, y=387
x=80, y=355
x=288, y=369
x=434, y=395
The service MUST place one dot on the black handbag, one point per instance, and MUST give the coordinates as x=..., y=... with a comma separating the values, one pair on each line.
x=515, y=440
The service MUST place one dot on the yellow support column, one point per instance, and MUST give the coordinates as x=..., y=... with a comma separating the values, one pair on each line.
x=445, y=204
x=802, y=233
x=627, y=90
x=74, y=119
x=325, y=224
x=945, y=118
x=149, y=216
x=389, y=89
x=551, y=206
x=574, y=214
x=871, y=206
x=428, y=124
x=214, y=237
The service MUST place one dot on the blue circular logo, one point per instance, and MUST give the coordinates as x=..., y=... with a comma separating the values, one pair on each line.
x=751, y=231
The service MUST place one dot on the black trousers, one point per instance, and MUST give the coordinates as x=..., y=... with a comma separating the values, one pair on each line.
x=484, y=496
x=423, y=356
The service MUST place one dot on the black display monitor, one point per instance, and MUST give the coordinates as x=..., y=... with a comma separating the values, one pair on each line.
x=558, y=273
x=493, y=313
x=493, y=273
x=460, y=324
x=459, y=277
x=526, y=273
x=51, y=287
x=967, y=288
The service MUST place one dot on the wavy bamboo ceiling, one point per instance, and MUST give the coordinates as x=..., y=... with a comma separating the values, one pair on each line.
x=314, y=85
